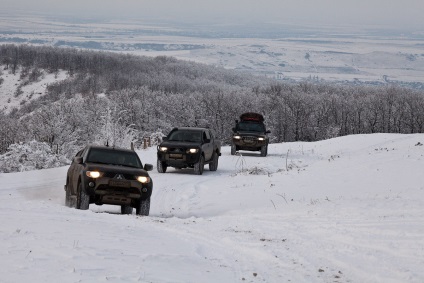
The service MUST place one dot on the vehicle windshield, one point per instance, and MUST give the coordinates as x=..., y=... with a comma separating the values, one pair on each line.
x=115, y=157
x=185, y=136
x=250, y=127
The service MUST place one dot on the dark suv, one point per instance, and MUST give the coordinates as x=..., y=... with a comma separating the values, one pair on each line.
x=189, y=147
x=106, y=175
x=250, y=134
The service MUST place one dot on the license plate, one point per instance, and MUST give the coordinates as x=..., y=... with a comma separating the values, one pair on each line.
x=248, y=140
x=119, y=183
x=175, y=155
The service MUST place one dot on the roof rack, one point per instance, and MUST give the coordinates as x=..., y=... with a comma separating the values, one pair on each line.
x=251, y=116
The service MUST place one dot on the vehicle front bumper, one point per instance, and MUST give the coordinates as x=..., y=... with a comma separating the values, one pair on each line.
x=105, y=190
x=248, y=142
x=180, y=159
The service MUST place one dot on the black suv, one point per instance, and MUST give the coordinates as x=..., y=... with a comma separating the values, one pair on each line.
x=106, y=175
x=189, y=147
x=250, y=134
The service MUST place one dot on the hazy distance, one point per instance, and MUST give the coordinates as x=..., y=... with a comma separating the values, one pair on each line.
x=406, y=14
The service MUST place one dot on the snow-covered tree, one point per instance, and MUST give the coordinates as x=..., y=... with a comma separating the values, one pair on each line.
x=30, y=156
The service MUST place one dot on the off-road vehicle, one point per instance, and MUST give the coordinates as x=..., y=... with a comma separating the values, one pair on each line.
x=106, y=175
x=189, y=147
x=250, y=134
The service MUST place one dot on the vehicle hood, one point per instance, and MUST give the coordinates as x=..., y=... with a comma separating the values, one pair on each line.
x=180, y=144
x=116, y=169
x=248, y=133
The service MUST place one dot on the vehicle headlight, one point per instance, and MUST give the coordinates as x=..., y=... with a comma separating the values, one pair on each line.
x=237, y=137
x=93, y=174
x=143, y=179
x=163, y=148
x=261, y=139
x=192, y=150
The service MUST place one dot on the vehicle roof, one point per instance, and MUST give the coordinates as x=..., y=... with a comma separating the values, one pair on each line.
x=109, y=148
x=191, y=128
x=251, y=116
x=251, y=122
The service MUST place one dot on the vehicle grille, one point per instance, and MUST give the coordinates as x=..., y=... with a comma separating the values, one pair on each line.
x=114, y=175
x=249, y=139
x=176, y=150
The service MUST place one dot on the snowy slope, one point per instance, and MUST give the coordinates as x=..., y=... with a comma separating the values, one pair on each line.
x=14, y=92
x=348, y=209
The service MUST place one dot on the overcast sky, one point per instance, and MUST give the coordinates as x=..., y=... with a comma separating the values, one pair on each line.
x=393, y=13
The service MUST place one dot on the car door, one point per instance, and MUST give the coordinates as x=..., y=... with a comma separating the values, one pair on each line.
x=207, y=145
x=71, y=171
x=75, y=171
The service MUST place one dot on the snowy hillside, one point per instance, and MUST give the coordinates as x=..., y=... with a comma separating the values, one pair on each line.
x=15, y=92
x=348, y=209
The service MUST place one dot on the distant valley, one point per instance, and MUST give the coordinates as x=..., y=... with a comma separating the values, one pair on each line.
x=283, y=52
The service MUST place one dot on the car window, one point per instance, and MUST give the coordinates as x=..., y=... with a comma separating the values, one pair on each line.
x=114, y=157
x=207, y=135
x=252, y=127
x=185, y=136
x=79, y=153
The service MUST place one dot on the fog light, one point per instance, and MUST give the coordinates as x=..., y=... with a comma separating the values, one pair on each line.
x=91, y=184
x=144, y=190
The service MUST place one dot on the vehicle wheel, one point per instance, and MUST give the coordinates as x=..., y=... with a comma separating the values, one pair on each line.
x=264, y=150
x=233, y=149
x=213, y=166
x=72, y=200
x=83, y=200
x=143, y=207
x=199, y=166
x=126, y=209
x=68, y=201
x=161, y=166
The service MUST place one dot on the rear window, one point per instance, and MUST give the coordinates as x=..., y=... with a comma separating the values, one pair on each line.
x=114, y=157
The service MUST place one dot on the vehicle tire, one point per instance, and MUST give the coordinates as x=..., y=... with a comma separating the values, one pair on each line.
x=83, y=200
x=143, y=207
x=72, y=200
x=161, y=166
x=233, y=149
x=213, y=166
x=199, y=166
x=126, y=209
x=68, y=201
x=264, y=150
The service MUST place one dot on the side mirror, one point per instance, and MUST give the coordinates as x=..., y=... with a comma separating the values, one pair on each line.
x=148, y=167
x=78, y=160
x=234, y=130
x=207, y=141
x=164, y=138
x=268, y=132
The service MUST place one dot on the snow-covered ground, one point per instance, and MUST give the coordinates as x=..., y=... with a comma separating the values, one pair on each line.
x=349, y=209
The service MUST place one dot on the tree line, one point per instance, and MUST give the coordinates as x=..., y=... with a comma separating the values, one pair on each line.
x=122, y=99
